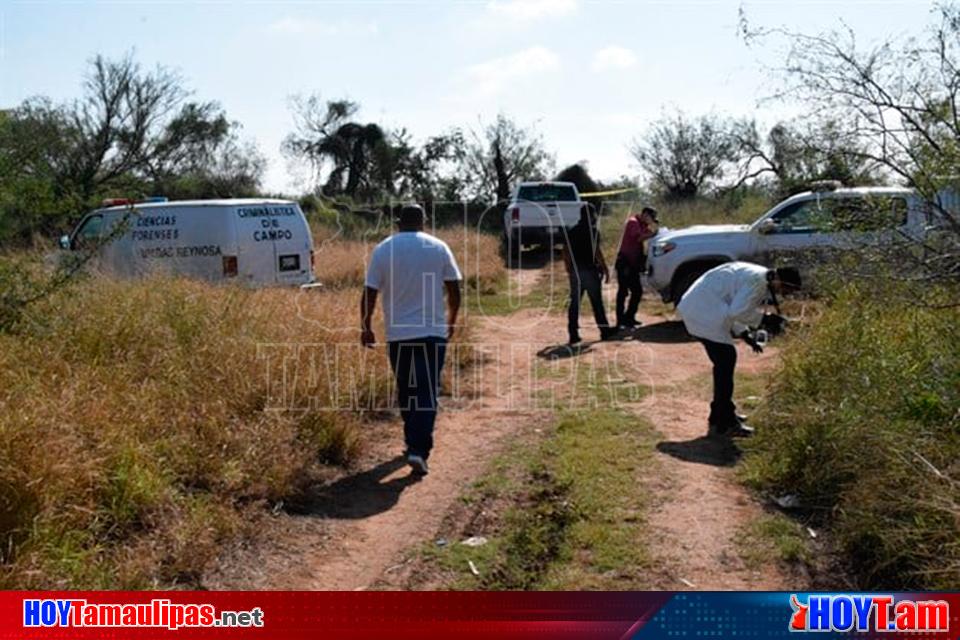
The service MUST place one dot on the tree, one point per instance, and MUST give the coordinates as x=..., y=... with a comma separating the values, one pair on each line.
x=426, y=173
x=132, y=131
x=578, y=175
x=897, y=103
x=29, y=199
x=231, y=170
x=685, y=157
x=330, y=139
x=795, y=158
x=500, y=154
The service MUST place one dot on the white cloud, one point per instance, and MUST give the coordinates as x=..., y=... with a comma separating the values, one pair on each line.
x=613, y=58
x=491, y=77
x=308, y=27
x=526, y=10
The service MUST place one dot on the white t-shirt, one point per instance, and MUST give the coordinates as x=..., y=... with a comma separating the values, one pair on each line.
x=724, y=301
x=409, y=269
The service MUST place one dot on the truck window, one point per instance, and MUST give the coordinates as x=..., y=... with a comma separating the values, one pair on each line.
x=89, y=232
x=802, y=217
x=547, y=193
x=874, y=213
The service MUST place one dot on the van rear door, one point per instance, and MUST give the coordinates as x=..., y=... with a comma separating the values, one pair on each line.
x=294, y=245
x=274, y=244
x=255, y=251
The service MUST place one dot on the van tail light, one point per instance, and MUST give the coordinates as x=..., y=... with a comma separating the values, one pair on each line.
x=313, y=261
x=230, y=268
x=515, y=214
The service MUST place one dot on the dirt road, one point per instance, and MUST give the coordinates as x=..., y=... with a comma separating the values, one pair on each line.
x=361, y=526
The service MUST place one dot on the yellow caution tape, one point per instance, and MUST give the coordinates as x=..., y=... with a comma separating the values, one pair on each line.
x=599, y=194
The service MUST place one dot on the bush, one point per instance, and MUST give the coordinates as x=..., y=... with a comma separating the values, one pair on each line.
x=862, y=422
x=139, y=423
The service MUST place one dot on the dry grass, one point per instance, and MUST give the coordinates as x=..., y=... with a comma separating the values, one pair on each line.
x=342, y=262
x=145, y=423
x=144, y=413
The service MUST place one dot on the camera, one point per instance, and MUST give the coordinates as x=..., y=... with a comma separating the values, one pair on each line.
x=773, y=324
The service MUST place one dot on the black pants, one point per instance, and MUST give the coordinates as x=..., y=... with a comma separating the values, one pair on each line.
x=585, y=280
x=723, y=413
x=628, y=284
x=417, y=365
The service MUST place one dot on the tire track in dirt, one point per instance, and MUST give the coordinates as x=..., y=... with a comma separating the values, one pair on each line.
x=359, y=525
x=700, y=509
x=365, y=524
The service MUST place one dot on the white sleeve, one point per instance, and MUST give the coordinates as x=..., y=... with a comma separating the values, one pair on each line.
x=744, y=310
x=374, y=278
x=451, y=272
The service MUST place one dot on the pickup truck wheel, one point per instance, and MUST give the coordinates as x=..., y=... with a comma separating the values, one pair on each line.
x=684, y=281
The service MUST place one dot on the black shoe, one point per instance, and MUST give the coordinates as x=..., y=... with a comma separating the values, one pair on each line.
x=575, y=339
x=740, y=431
x=630, y=324
x=608, y=333
x=417, y=464
x=741, y=418
x=718, y=431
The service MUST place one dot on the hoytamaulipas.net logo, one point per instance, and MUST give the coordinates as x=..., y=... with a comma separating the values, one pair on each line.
x=156, y=613
x=858, y=612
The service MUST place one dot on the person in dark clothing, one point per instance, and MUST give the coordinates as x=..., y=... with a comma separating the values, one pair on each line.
x=587, y=271
x=723, y=304
x=630, y=262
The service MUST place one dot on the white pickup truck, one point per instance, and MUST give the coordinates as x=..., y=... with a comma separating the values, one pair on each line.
x=800, y=231
x=538, y=213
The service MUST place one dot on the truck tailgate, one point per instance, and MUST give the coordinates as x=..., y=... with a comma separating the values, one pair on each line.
x=549, y=214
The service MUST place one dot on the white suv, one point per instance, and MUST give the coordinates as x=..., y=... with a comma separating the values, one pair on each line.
x=794, y=231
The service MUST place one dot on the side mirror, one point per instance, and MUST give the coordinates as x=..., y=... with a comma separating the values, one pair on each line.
x=767, y=226
x=65, y=243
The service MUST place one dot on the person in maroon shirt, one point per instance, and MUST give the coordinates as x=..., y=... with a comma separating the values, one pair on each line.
x=630, y=263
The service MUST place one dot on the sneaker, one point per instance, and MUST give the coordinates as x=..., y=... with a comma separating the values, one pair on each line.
x=630, y=323
x=741, y=418
x=418, y=464
x=575, y=339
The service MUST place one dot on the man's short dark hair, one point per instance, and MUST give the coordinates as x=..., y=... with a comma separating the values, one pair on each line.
x=411, y=215
x=789, y=276
x=650, y=211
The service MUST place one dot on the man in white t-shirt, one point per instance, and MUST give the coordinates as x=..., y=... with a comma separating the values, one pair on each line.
x=411, y=270
x=723, y=304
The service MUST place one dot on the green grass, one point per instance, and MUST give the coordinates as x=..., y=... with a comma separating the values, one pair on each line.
x=861, y=423
x=774, y=537
x=549, y=294
x=575, y=384
x=570, y=512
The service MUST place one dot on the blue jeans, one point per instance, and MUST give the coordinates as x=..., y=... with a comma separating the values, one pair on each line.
x=417, y=364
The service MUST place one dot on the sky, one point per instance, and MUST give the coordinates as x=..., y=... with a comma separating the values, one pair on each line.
x=589, y=76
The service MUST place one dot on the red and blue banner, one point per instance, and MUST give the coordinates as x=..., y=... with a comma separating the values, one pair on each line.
x=185, y=615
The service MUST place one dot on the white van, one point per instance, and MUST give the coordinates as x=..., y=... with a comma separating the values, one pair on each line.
x=259, y=242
